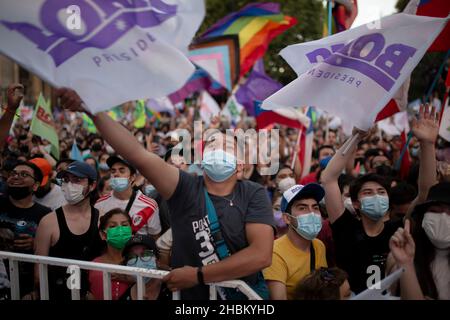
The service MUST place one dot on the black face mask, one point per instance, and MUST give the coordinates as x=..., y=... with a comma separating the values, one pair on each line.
x=96, y=147
x=385, y=170
x=19, y=193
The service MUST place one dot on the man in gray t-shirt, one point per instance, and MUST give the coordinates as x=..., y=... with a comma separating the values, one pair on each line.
x=243, y=208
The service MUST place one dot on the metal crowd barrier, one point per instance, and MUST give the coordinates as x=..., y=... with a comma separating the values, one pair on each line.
x=107, y=269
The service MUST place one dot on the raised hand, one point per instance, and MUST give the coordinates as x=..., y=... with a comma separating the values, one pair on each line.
x=402, y=245
x=70, y=100
x=426, y=127
x=14, y=95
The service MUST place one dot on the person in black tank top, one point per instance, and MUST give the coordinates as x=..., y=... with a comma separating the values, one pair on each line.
x=74, y=227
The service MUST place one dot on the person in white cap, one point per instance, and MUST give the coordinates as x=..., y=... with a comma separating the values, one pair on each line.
x=298, y=253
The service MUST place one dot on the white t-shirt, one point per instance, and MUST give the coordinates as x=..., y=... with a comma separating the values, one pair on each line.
x=53, y=200
x=144, y=212
x=441, y=274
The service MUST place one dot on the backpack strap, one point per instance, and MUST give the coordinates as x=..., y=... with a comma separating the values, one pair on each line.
x=312, y=255
x=216, y=233
x=130, y=202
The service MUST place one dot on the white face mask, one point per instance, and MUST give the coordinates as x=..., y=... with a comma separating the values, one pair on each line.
x=437, y=228
x=285, y=184
x=349, y=205
x=73, y=193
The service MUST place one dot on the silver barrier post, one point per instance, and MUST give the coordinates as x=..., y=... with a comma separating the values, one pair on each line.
x=106, y=285
x=14, y=274
x=43, y=281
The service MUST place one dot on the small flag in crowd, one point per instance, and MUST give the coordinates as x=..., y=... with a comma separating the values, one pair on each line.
x=161, y=105
x=88, y=124
x=291, y=117
x=208, y=107
x=232, y=110
x=139, y=114
x=354, y=74
x=257, y=24
x=43, y=125
x=118, y=53
x=200, y=80
x=306, y=144
x=344, y=13
x=258, y=86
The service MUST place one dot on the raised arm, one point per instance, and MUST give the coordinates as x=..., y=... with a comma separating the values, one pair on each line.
x=14, y=95
x=426, y=129
x=163, y=176
x=403, y=249
x=329, y=178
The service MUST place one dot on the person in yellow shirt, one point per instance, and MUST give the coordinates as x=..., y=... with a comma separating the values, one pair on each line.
x=297, y=253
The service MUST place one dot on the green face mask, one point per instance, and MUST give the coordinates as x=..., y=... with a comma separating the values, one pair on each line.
x=118, y=236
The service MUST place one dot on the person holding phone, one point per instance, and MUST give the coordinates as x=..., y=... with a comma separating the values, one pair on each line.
x=22, y=214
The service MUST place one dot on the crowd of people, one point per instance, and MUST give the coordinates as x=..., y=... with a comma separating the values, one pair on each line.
x=132, y=200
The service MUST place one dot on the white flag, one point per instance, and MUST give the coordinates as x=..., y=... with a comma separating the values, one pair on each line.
x=208, y=107
x=110, y=52
x=232, y=110
x=353, y=74
x=444, y=129
x=375, y=292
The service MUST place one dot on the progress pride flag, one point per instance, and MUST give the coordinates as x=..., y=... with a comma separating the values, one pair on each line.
x=354, y=74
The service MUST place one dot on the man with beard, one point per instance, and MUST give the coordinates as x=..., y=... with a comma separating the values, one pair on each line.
x=21, y=215
x=48, y=194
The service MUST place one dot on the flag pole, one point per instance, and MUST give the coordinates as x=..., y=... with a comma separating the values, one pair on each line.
x=329, y=17
x=300, y=132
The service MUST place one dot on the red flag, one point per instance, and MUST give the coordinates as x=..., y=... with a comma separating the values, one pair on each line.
x=406, y=160
x=441, y=9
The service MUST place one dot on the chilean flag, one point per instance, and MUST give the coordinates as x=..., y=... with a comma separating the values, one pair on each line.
x=290, y=117
x=441, y=9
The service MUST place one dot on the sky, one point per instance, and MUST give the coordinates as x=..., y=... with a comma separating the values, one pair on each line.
x=370, y=10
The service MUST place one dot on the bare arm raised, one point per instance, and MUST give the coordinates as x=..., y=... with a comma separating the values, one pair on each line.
x=163, y=176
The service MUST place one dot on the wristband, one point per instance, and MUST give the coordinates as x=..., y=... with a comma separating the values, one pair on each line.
x=200, y=278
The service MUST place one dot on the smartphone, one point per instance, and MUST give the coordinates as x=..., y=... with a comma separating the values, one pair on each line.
x=156, y=138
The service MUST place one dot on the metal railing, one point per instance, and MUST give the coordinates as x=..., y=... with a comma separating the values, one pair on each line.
x=107, y=269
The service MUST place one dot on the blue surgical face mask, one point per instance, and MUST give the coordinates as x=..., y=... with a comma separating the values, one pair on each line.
x=144, y=263
x=375, y=207
x=219, y=165
x=324, y=162
x=103, y=166
x=308, y=225
x=119, y=184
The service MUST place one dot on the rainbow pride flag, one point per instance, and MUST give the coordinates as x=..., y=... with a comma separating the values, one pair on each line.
x=256, y=25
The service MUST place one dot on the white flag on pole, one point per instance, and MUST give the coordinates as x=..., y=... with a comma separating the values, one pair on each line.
x=208, y=107
x=354, y=74
x=232, y=110
x=110, y=52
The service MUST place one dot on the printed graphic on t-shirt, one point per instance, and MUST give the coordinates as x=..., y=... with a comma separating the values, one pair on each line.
x=203, y=237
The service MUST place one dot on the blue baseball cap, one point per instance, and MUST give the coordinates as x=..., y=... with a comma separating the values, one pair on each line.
x=311, y=190
x=81, y=170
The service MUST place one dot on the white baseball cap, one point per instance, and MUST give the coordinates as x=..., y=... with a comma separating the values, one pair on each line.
x=311, y=190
